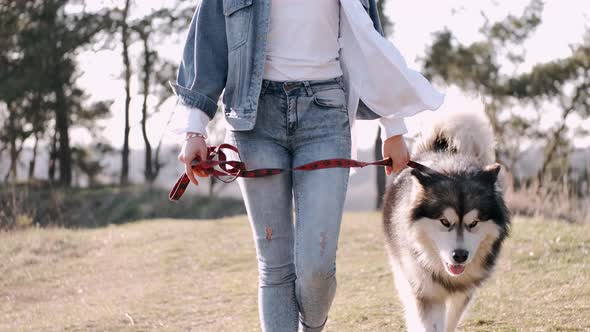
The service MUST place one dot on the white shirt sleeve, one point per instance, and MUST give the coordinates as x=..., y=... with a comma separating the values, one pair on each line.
x=379, y=72
x=190, y=119
x=391, y=127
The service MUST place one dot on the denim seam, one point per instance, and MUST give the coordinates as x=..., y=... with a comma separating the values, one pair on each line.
x=341, y=108
x=296, y=112
x=297, y=240
x=296, y=306
x=326, y=87
x=317, y=327
x=231, y=11
x=302, y=91
x=308, y=89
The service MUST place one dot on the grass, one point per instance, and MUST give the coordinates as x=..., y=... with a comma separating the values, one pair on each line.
x=179, y=275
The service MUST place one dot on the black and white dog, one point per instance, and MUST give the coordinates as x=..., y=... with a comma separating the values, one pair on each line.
x=445, y=223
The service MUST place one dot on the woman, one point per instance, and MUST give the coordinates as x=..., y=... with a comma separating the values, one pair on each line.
x=287, y=102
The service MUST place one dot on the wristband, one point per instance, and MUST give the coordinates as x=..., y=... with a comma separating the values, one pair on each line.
x=191, y=135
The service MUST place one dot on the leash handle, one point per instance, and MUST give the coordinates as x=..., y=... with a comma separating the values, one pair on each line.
x=238, y=168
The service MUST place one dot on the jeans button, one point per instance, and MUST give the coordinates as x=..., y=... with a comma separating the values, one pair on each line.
x=289, y=86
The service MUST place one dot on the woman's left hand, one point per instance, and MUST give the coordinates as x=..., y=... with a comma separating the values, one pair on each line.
x=395, y=148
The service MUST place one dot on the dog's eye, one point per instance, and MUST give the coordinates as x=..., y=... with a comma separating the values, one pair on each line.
x=445, y=222
x=473, y=224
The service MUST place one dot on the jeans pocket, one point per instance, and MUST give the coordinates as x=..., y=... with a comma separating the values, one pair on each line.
x=331, y=98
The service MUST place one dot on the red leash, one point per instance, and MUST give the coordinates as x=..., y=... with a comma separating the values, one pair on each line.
x=238, y=168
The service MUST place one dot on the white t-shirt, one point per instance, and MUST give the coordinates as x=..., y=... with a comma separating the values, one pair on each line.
x=303, y=45
x=302, y=42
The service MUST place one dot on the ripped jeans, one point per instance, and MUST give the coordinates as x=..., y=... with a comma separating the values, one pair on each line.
x=297, y=123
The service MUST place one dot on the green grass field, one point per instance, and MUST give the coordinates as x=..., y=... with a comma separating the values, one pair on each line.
x=179, y=275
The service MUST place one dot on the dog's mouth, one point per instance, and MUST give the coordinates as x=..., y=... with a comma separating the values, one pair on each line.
x=455, y=269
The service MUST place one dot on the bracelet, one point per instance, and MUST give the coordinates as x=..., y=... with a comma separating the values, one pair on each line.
x=191, y=135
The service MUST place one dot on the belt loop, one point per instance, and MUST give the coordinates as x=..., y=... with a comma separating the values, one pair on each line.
x=308, y=88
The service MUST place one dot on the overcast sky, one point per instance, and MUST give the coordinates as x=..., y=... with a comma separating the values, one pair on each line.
x=564, y=22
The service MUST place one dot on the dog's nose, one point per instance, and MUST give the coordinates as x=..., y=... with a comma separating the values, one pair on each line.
x=460, y=255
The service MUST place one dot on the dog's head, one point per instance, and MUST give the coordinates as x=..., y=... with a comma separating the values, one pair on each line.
x=459, y=216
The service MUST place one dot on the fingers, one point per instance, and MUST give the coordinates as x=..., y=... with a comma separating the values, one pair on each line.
x=194, y=149
x=199, y=172
x=389, y=169
x=396, y=149
x=399, y=163
x=202, y=155
x=181, y=157
x=397, y=166
x=187, y=168
x=189, y=172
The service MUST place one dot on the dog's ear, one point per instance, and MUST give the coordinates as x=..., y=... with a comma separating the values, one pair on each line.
x=424, y=177
x=489, y=174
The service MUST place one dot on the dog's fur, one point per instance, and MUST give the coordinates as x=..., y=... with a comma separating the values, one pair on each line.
x=460, y=186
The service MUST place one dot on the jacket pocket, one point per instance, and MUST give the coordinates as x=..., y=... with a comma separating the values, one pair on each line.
x=238, y=17
x=331, y=98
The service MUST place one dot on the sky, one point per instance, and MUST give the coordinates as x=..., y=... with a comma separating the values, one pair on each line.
x=564, y=22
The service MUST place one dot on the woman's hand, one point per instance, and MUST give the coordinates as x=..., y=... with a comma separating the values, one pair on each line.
x=193, y=148
x=395, y=148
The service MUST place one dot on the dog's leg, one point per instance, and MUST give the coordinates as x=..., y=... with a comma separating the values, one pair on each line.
x=408, y=300
x=431, y=316
x=456, y=306
x=421, y=314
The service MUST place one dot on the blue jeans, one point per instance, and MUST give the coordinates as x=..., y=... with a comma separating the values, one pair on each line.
x=297, y=123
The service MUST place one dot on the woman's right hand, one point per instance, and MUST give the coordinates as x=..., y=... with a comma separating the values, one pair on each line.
x=193, y=148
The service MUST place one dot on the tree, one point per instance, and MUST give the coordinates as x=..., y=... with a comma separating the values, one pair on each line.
x=156, y=71
x=19, y=92
x=13, y=136
x=568, y=82
x=476, y=68
x=66, y=34
x=125, y=40
x=40, y=72
x=88, y=161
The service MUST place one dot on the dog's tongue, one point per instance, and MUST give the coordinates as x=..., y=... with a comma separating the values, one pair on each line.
x=457, y=269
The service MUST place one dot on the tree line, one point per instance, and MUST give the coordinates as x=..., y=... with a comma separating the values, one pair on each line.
x=480, y=68
x=40, y=100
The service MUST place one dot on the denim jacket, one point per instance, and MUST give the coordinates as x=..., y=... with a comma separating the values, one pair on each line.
x=225, y=50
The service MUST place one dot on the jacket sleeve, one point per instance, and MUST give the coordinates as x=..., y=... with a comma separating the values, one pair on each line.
x=202, y=72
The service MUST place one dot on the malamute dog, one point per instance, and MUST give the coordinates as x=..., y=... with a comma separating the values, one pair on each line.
x=445, y=223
